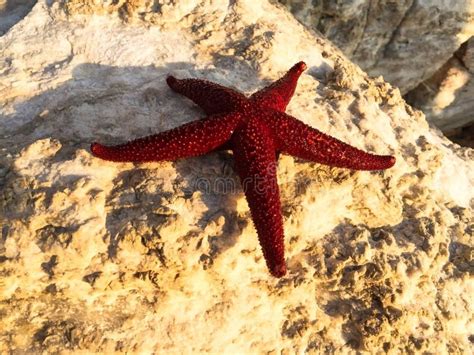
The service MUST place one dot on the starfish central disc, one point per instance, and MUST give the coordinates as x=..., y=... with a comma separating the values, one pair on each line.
x=256, y=129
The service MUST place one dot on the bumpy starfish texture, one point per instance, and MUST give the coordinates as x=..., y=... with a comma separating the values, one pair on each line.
x=256, y=129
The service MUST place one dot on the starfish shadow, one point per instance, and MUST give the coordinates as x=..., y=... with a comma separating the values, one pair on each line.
x=99, y=102
x=113, y=104
x=116, y=104
x=219, y=187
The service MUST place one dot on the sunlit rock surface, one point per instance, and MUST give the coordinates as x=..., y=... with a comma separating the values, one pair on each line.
x=100, y=256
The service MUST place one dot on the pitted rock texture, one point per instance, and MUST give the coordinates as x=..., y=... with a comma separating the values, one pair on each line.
x=163, y=257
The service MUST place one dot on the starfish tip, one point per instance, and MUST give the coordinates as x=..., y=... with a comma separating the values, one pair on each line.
x=278, y=270
x=171, y=80
x=391, y=161
x=300, y=66
x=96, y=148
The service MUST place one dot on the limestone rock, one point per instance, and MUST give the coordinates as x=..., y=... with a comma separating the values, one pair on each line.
x=99, y=256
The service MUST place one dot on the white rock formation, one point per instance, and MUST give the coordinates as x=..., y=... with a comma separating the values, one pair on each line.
x=108, y=257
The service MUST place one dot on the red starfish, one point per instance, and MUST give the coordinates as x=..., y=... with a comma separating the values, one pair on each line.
x=256, y=129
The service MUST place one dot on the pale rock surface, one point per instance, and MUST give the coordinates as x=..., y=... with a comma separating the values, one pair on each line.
x=410, y=43
x=100, y=256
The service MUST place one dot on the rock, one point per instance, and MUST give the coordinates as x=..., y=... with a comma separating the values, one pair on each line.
x=392, y=38
x=447, y=97
x=101, y=257
x=12, y=11
x=410, y=43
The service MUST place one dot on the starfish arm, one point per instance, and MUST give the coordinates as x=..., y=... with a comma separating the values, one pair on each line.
x=277, y=95
x=192, y=139
x=255, y=163
x=211, y=97
x=298, y=139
